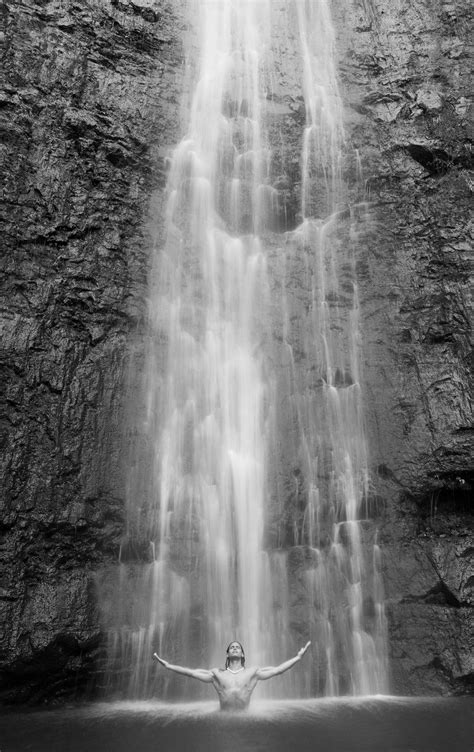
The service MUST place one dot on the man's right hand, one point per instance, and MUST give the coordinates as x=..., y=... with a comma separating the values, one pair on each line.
x=156, y=657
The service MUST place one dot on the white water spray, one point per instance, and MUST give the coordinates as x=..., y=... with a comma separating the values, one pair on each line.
x=212, y=398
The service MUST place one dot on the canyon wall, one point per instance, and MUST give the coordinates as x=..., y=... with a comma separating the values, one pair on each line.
x=89, y=114
x=89, y=111
x=405, y=83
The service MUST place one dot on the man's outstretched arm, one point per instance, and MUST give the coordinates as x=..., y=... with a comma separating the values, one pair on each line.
x=271, y=671
x=195, y=673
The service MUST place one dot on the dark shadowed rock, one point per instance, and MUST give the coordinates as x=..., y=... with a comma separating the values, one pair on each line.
x=88, y=115
x=88, y=112
x=405, y=78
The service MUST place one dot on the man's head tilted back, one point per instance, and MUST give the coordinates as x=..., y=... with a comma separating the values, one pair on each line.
x=235, y=650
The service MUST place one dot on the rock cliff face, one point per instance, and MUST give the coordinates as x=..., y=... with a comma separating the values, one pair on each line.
x=89, y=112
x=90, y=106
x=405, y=78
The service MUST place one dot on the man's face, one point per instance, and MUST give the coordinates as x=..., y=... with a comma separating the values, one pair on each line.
x=234, y=650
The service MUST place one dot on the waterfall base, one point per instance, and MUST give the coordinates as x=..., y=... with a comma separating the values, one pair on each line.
x=371, y=724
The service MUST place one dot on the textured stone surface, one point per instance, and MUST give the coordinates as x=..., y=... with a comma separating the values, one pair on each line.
x=405, y=81
x=89, y=111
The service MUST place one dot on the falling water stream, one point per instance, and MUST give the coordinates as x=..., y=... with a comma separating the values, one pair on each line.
x=209, y=569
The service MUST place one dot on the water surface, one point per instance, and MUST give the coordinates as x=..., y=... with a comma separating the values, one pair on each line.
x=368, y=724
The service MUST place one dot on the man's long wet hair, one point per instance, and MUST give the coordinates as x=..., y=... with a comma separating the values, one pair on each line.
x=242, y=659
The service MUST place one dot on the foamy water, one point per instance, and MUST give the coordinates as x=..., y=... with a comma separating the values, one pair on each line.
x=365, y=724
x=202, y=506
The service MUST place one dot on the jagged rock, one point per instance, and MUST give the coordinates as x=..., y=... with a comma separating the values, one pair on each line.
x=89, y=113
x=61, y=667
x=431, y=648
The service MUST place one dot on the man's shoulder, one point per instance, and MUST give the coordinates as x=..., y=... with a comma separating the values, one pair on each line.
x=219, y=675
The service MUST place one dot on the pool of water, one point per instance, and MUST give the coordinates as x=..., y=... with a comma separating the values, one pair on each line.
x=368, y=724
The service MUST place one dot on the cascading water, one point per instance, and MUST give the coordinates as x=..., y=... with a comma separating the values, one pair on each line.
x=349, y=628
x=218, y=412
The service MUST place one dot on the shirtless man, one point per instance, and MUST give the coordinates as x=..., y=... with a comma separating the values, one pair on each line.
x=235, y=683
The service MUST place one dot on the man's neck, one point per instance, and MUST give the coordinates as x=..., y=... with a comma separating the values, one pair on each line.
x=235, y=665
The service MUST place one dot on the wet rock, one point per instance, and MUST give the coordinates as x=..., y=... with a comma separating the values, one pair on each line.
x=436, y=161
x=429, y=100
x=405, y=84
x=431, y=648
x=88, y=114
x=56, y=671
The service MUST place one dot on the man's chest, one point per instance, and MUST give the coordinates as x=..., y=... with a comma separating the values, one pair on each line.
x=228, y=680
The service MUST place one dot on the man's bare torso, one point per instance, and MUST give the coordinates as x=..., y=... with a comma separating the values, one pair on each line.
x=234, y=689
x=234, y=685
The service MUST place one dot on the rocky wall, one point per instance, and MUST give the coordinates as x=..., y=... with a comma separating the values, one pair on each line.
x=405, y=76
x=88, y=111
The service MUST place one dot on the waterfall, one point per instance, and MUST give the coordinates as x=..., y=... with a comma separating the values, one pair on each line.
x=208, y=557
x=346, y=607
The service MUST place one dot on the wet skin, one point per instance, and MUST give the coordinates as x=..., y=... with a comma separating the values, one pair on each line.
x=234, y=690
x=234, y=684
